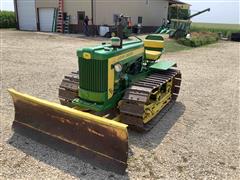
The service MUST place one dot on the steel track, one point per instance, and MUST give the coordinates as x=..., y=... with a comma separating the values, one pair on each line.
x=138, y=95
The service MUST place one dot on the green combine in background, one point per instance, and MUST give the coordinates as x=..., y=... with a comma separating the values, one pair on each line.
x=178, y=28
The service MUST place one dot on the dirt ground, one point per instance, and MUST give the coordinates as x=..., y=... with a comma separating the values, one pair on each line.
x=197, y=139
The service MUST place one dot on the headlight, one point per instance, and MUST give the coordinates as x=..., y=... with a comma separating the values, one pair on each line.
x=118, y=68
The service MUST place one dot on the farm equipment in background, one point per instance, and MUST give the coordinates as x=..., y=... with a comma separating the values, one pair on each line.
x=117, y=85
x=198, y=13
x=178, y=28
x=137, y=28
x=235, y=36
x=164, y=29
x=124, y=23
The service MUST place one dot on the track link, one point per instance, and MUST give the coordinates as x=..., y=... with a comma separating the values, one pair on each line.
x=138, y=95
x=68, y=89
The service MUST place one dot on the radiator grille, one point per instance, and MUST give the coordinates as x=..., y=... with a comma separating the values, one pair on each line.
x=93, y=75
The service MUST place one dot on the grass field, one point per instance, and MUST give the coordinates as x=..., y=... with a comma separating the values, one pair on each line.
x=225, y=29
x=174, y=46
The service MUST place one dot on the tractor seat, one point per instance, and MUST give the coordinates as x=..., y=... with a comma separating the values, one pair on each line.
x=152, y=55
x=157, y=44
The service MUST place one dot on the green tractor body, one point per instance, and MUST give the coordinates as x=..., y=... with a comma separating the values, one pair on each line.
x=117, y=86
x=101, y=85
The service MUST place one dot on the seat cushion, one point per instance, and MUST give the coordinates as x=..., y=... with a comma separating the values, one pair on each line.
x=152, y=55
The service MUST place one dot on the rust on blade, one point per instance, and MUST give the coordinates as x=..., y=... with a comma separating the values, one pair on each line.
x=103, y=141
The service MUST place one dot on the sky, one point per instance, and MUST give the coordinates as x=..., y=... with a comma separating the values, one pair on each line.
x=222, y=11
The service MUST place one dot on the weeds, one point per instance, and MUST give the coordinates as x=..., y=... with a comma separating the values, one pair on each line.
x=7, y=19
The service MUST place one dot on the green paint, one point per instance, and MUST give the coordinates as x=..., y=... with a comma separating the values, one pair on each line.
x=93, y=96
x=162, y=65
x=93, y=75
x=104, y=52
x=98, y=107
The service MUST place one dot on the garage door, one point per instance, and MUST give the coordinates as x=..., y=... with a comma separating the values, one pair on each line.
x=46, y=19
x=27, y=15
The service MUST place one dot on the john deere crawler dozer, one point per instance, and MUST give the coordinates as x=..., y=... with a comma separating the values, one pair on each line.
x=116, y=86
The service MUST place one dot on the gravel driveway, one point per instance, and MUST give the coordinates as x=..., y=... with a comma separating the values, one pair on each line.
x=197, y=139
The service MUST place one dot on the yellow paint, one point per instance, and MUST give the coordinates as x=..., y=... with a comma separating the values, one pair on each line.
x=153, y=43
x=152, y=55
x=17, y=96
x=87, y=56
x=153, y=109
x=114, y=60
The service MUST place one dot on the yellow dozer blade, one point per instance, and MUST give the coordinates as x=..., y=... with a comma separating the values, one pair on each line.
x=97, y=140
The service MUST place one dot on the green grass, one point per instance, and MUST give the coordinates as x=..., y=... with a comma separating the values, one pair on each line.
x=174, y=46
x=215, y=25
x=199, y=39
x=225, y=29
